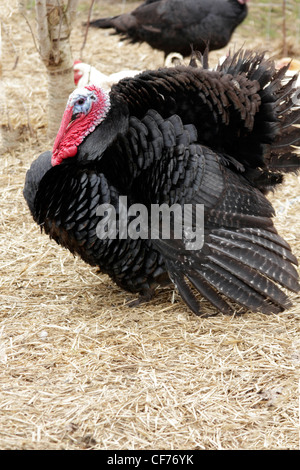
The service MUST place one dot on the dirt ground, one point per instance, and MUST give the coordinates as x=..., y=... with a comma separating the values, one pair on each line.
x=81, y=370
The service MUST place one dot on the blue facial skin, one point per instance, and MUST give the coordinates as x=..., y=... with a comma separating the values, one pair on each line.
x=83, y=104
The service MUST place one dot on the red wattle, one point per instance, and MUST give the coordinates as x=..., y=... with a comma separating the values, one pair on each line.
x=77, y=76
x=63, y=127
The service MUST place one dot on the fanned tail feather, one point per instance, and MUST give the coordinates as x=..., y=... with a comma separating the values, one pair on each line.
x=274, y=123
x=244, y=266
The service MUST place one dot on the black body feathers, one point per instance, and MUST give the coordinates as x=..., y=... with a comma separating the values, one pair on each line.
x=184, y=136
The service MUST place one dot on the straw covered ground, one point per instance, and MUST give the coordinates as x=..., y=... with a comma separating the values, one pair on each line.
x=81, y=370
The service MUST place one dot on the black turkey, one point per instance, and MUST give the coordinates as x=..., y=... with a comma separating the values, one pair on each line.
x=180, y=136
x=176, y=25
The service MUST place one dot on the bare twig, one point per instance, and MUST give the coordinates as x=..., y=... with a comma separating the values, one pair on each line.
x=86, y=29
x=31, y=31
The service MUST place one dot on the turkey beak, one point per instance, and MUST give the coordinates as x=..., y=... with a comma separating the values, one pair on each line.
x=74, y=116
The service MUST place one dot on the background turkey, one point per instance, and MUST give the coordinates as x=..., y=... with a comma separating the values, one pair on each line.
x=181, y=135
x=86, y=73
x=176, y=25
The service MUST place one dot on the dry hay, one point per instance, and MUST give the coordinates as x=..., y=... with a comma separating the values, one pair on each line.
x=79, y=369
